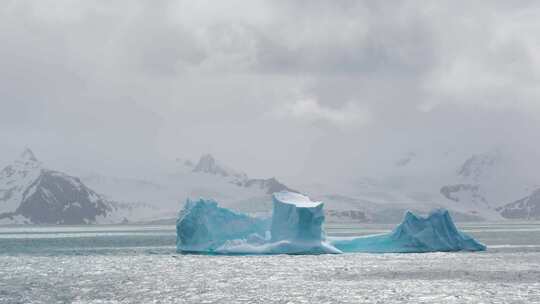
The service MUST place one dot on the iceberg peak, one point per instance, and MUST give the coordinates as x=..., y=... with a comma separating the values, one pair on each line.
x=28, y=155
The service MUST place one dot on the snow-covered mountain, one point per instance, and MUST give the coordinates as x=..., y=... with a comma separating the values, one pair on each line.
x=489, y=180
x=473, y=186
x=208, y=165
x=527, y=208
x=208, y=178
x=31, y=193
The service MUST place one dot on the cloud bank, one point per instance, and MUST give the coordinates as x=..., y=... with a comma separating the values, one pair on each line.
x=284, y=88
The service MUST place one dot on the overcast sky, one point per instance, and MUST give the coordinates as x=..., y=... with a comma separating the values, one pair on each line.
x=274, y=88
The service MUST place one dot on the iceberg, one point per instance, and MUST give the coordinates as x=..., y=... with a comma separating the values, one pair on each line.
x=436, y=232
x=296, y=227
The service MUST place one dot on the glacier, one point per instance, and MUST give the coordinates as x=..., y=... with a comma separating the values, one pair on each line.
x=297, y=227
x=436, y=232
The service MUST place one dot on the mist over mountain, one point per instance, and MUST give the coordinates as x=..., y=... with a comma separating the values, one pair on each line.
x=479, y=187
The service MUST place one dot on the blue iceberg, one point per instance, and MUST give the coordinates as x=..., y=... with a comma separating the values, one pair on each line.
x=436, y=232
x=296, y=227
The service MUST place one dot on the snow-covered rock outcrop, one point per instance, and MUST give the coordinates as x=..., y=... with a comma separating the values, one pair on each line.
x=527, y=208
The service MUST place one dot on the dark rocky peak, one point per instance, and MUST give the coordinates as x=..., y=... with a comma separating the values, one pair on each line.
x=271, y=185
x=208, y=164
x=28, y=156
x=478, y=166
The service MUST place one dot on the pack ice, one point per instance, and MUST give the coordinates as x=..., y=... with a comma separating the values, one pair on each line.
x=296, y=227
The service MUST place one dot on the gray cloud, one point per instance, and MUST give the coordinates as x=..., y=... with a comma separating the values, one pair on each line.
x=335, y=83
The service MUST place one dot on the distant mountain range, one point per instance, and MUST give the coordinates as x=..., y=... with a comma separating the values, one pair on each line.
x=207, y=164
x=476, y=188
x=33, y=194
x=494, y=185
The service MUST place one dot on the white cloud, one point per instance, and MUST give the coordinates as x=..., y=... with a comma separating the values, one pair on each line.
x=487, y=58
x=309, y=110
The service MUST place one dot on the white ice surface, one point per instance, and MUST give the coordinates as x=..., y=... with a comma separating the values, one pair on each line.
x=296, y=199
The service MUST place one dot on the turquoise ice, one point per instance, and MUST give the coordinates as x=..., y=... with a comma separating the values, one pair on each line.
x=202, y=226
x=436, y=232
x=297, y=227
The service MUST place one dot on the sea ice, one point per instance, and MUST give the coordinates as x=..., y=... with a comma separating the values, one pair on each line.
x=436, y=232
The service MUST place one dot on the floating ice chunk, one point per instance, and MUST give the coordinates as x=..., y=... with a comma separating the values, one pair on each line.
x=202, y=226
x=437, y=232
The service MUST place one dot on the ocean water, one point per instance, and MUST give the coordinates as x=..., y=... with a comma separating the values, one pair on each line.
x=138, y=264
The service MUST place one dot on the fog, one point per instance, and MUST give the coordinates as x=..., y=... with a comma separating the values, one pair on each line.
x=292, y=89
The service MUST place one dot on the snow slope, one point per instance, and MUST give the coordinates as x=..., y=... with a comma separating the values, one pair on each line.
x=208, y=178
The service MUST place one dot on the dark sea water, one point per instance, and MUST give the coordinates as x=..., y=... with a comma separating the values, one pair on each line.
x=138, y=264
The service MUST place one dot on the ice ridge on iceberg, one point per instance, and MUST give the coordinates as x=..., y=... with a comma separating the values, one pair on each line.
x=436, y=232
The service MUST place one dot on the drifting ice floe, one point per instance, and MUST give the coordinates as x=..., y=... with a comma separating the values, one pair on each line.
x=296, y=227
